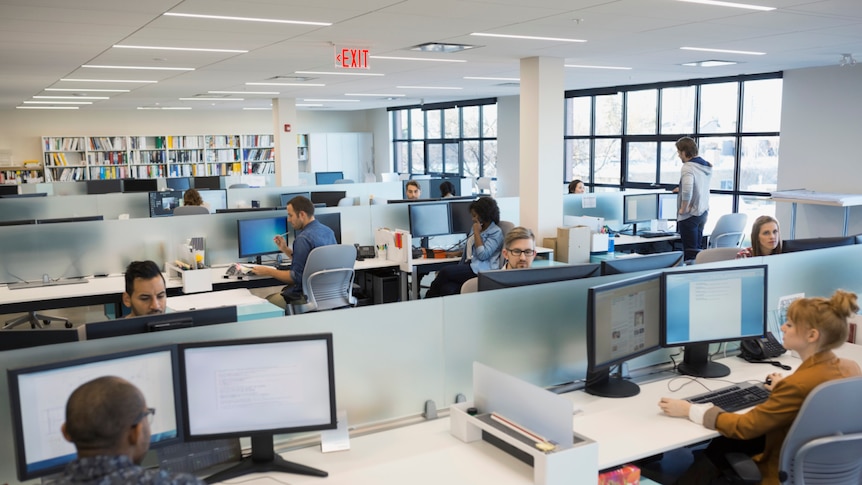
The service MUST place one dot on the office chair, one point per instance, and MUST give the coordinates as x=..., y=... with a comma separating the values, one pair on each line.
x=716, y=254
x=506, y=226
x=36, y=320
x=327, y=280
x=729, y=231
x=346, y=201
x=824, y=443
x=344, y=181
x=238, y=186
x=190, y=210
x=484, y=185
x=470, y=286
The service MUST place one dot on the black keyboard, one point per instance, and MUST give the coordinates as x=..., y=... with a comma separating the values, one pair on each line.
x=733, y=398
x=655, y=233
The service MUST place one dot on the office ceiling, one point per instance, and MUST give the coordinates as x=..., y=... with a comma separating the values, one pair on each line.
x=44, y=41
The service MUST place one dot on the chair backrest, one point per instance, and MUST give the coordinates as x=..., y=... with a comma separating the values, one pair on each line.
x=346, y=201
x=343, y=181
x=824, y=443
x=716, y=254
x=188, y=210
x=327, y=280
x=471, y=285
x=729, y=231
x=506, y=226
x=238, y=186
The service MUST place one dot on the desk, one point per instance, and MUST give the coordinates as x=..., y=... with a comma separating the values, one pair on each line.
x=626, y=240
x=248, y=306
x=819, y=198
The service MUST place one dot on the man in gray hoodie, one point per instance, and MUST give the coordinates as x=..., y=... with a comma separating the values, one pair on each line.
x=693, y=200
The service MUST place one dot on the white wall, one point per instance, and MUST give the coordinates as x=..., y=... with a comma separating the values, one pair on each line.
x=821, y=119
x=508, y=146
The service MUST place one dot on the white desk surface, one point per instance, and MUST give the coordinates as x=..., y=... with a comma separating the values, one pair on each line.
x=93, y=286
x=213, y=299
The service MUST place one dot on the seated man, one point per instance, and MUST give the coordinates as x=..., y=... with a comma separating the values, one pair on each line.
x=414, y=192
x=519, y=248
x=109, y=422
x=146, y=293
x=310, y=234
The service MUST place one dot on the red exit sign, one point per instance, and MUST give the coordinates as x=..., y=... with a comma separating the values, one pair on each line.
x=351, y=58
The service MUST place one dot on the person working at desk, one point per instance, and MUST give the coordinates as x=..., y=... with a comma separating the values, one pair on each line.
x=481, y=251
x=192, y=197
x=146, y=292
x=447, y=189
x=813, y=328
x=310, y=233
x=108, y=421
x=693, y=200
x=519, y=248
x=414, y=192
x=765, y=238
x=576, y=187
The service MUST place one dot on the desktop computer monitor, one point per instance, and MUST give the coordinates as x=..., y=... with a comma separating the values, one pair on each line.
x=209, y=182
x=704, y=306
x=33, y=337
x=460, y=217
x=178, y=183
x=431, y=219
x=215, y=199
x=140, y=185
x=329, y=198
x=38, y=396
x=162, y=204
x=8, y=189
x=639, y=208
x=332, y=221
x=258, y=388
x=255, y=236
x=326, y=178
x=635, y=263
x=58, y=220
x=495, y=280
x=623, y=322
x=285, y=198
x=106, y=186
x=667, y=207
x=158, y=322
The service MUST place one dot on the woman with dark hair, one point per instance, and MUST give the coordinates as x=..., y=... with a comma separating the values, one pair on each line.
x=576, y=187
x=765, y=238
x=192, y=197
x=481, y=250
x=447, y=189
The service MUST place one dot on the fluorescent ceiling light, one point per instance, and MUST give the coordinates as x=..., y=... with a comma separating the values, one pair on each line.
x=247, y=19
x=441, y=47
x=712, y=63
x=191, y=49
x=168, y=108
x=243, y=92
x=332, y=100
x=82, y=90
x=527, y=37
x=426, y=87
x=481, y=78
x=730, y=4
x=46, y=107
x=258, y=109
x=71, y=97
x=58, y=102
x=724, y=51
x=335, y=73
x=309, y=105
x=211, y=99
x=145, y=68
x=286, y=84
x=139, y=81
x=376, y=95
x=391, y=58
x=583, y=66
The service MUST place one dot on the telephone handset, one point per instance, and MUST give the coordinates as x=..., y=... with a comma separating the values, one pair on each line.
x=761, y=348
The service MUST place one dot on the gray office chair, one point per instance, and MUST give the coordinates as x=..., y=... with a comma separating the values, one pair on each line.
x=729, y=231
x=344, y=181
x=506, y=226
x=36, y=320
x=716, y=254
x=327, y=280
x=238, y=186
x=190, y=210
x=346, y=201
x=824, y=443
x=470, y=286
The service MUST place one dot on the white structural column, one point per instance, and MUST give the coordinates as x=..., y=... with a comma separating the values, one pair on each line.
x=541, y=135
x=286, y=164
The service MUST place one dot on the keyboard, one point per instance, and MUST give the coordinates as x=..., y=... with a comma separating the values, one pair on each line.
x=655, y=233
x=733, y=398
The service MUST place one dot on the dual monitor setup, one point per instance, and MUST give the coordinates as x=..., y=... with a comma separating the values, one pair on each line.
x=689, y=308
x=107, y=186
x=254, y=388
x=428, y=219
x=644, y=208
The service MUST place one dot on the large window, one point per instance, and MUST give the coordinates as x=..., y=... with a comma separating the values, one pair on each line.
x=623, y=137
x=457, y=138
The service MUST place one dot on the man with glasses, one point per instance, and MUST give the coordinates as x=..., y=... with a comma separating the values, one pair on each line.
x=109, y=422
x=519, y=248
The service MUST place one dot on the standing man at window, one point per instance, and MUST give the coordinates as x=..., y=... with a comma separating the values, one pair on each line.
x=693, y=200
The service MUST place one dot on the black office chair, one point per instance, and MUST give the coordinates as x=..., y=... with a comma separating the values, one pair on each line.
x=36, y=320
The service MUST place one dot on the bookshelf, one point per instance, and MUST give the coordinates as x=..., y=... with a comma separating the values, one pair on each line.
x=64, y=158
x=258, y=154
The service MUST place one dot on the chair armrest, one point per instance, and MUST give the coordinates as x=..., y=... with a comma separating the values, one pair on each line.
x=744, y=467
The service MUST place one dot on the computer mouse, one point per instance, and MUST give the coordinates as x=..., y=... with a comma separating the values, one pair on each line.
x=768, y=380
x=617, y=235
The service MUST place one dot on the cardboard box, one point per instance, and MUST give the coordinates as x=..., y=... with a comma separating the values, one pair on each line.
x=573, y=244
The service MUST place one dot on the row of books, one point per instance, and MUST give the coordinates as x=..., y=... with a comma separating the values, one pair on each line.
x=58, y=159
x=147, y=157
x=258, y=140
x=20, y=176
x=185, y=142
x=223, y=141
x=65, y=175
x=63, y=144
x=107, y=143
x=261, y=167
x=258, y=154
x=107, y=158
x=148, y=142
x=223, y=156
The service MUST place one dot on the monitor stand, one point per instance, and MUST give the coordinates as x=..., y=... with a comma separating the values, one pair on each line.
x=602, y=383
x=696, y=363
x=263, y=460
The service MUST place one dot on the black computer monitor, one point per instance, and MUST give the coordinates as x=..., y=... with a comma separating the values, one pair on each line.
x=429, y=219
x=215, y=199
x=794, y=245
x=18, y=222
x=635, y=263
x=38, y=396
x=106, y=186
x=210, y=182
x=159, y=322
x=329, y=198
x=58, y=220
x=704, y=306
x=332, y=221
x=325, y=178
x=495, y=280
x=178, y=183
x=8, y=189
x=162, y=204
x=233, y=210
x=639, y=208
x=140, y=185
x=623, y=322
x=32, y=337
x=255, y=236
x=667, y=207
x=285, y=198
x=258, y=388
x=460, y=217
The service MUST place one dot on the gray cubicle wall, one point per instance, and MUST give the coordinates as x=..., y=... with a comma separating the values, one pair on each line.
x=390, y=358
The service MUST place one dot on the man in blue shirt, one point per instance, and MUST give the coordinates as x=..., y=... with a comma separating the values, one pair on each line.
x=309, y=234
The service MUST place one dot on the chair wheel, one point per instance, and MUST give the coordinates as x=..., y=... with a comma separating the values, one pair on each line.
x=46, y=322
x=68, y=324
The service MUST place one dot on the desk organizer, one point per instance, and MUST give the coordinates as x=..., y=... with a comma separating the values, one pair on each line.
x=569, y=463
x=194, y=280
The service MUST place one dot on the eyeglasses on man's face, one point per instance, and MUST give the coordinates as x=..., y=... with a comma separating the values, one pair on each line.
x=518, y=252
x=148, y=413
